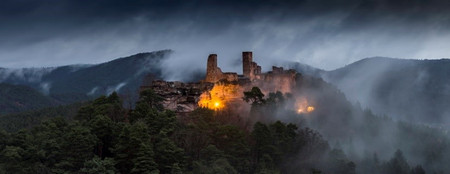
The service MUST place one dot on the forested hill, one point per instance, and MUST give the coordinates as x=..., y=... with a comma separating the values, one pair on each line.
x=344, y=138
x=104, y=137
x=122, y=73
x=413, y=90
x=17, y=98
x=43, y=87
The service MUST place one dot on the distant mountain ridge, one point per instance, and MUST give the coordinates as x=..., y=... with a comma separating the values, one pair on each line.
x=88, y=79
x=412, y=90
x=72, y=83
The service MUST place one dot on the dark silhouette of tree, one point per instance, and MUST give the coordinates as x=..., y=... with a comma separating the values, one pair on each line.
x=254, y=96
x=397, y=164
x=339, y=163
x=417, y=170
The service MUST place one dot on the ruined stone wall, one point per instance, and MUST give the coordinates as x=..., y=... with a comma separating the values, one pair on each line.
x=277, y=70
x=258, y=69
x=279, y=80
x=254, y=70
x=231, y=77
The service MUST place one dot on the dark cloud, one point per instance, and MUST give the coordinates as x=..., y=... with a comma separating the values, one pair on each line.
x=324, y=33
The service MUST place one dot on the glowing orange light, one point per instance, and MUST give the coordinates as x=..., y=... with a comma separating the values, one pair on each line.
x=310, y=108
x=303, y=106
x=218, y=97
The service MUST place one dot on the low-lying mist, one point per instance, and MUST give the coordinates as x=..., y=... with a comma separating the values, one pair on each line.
x=367, y=139
x=410, y=90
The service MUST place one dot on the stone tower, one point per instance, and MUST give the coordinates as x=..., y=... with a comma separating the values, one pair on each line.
x=247, y=69
x=211, y=68
x=212, y=62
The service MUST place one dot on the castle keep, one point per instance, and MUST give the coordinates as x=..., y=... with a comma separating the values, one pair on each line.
x=222, y=87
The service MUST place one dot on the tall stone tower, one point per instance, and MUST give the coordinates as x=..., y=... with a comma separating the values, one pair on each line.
x=211, y=68
x=212, y=62
x=247, y=59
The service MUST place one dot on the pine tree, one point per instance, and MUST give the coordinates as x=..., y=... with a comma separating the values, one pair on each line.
x=126, y=147
x=397, y=164
x=104, y=129
x=76, y=149
x=262, y=141
x=254, y=96
x=97, y=165
x=417, y=170
x=144, y=161
x=167, y=153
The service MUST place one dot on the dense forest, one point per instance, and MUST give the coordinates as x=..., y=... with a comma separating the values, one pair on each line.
x=18, y=98
x=29, y=119
x=104, y=137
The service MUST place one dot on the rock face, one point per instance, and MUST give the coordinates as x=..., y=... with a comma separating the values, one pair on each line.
x=185, y=97
x=179, y=97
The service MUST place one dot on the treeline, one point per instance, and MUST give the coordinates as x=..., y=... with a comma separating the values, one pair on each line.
x=106, y=138
x=29, y=119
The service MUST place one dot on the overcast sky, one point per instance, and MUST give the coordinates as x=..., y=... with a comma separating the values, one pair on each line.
x=326, y=34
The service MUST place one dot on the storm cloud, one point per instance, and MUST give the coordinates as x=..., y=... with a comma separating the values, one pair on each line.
x=323, y=33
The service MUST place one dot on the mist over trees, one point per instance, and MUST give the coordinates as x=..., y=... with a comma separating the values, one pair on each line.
x=103, y=136
x=362, y=134
x=106, y=138
x=404, y=89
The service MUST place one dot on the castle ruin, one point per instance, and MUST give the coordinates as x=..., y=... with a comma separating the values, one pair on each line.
x=185, y=97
